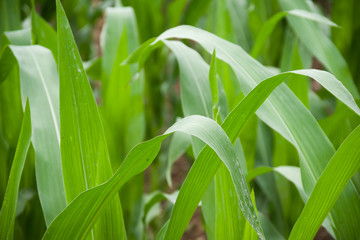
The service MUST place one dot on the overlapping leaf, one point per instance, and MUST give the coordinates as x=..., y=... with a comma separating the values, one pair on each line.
x=343, y=165
x=78, y=218
x=84, y=154
x=39, y=82
x=284, y=113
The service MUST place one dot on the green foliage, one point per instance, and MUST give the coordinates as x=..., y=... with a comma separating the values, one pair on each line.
x=261, y=145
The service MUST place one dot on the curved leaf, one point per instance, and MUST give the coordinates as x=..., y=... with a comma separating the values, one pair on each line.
x=320, y=45
x=284, y=113
x=207, y=163
x=270, y=24
x=78, y=218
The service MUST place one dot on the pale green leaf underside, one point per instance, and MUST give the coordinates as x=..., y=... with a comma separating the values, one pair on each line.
x=39, y=83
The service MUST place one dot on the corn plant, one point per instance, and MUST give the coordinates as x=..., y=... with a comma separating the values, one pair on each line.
x=101, y=101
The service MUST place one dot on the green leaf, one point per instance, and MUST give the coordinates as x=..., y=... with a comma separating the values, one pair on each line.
x=122, y=85
x=178, y=144
x=228, y=219
x=289, y=172
x=10, y=18
x=214, y=85
x=269, y=26
x=153, y=198
x=11, y=111
x=318, y=44
x=93, y=68
x=194, y=84
x=38, y=80
x=84, y=154
x=292, y=59
x=293, y=175
x=43, y=33
x=197, y=182
x=162, y=232
x=77, y=219
x=8, y=209
x=117, y=19
x=269, y=229
x=343, y=165
x=284, y=113
x=19, y=37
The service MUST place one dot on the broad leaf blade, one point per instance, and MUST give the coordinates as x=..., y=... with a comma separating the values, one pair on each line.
x=84, y=154
x=197, y=182
x=283, y=112
x=39, y=83
x=78, y=218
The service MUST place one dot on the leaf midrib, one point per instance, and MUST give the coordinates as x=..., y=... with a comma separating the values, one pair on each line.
x=53, y=115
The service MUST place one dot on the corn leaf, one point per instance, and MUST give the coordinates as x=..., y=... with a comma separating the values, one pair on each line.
x=178, y=144
x=343, y=165
x=8, y=209
x=320, y=45
x=196, y=182
x=284, y=113
x=84, y=154
x=194, y=84
x=38, y=80
x=78, y=218
x=10, y=15
x=122, y=86
x=43, y=34
x=196, y=87
x=270, y=24
x=11, y=111
x=193, y=72
x=313, y=146
x=214, y=85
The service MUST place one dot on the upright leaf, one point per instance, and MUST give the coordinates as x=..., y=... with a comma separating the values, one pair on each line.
x=8, y=208
x=11, y=111
x=39, y=82
x=84, y=154
x=343, y=165
x=214, y=85
x=10, y=15
x=196, y=86
x=122, y=104
x=43, y=33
